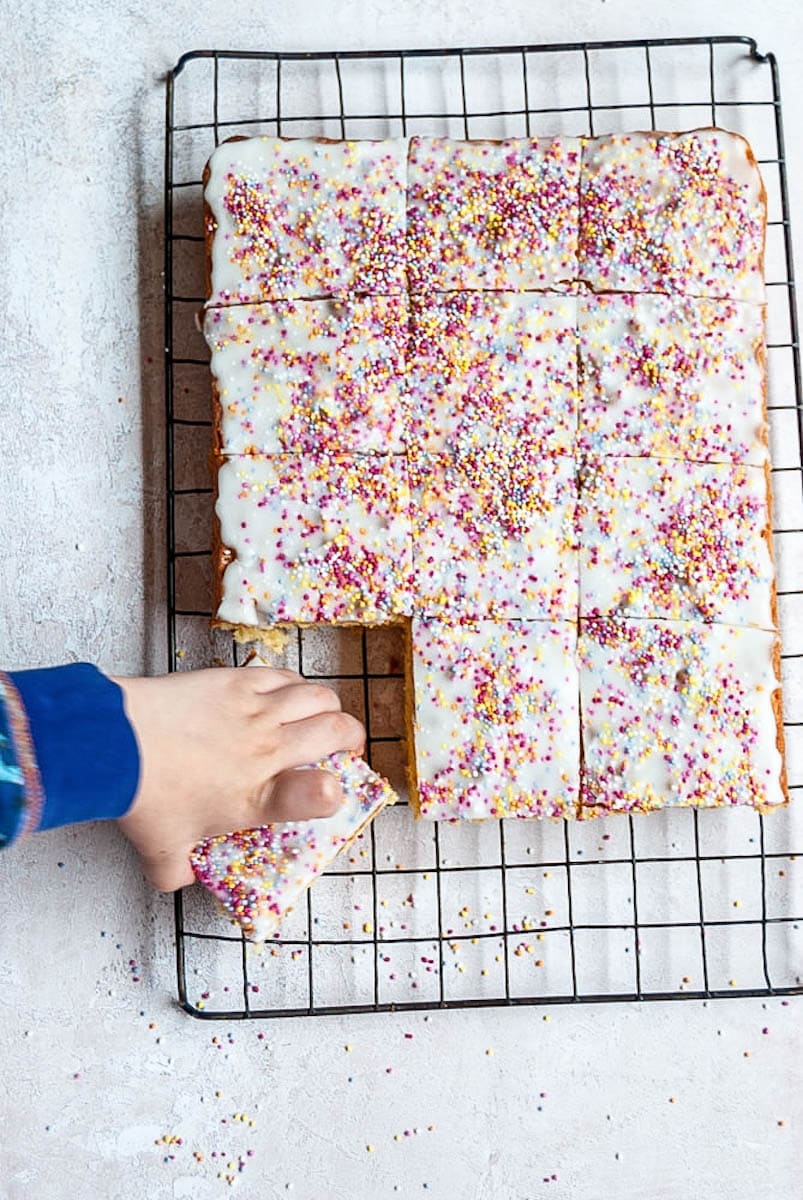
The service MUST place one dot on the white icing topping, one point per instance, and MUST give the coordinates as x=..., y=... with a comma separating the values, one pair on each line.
x=488, y=412
x=492, y=214
x=661, y=538
x=673, y=212
x=310, y=375
x=314, y=539
x=302, y=217
x=493, y=533
x=483, y=363
x=672, y=376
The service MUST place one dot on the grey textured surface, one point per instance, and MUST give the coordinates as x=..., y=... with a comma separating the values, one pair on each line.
x=644, y=1103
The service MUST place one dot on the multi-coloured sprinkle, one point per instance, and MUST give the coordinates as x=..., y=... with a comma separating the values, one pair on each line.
x=259, y=874
x=493, y=532
x=481, y=364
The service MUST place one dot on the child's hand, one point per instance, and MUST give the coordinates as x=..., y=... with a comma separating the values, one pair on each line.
x=217, y=750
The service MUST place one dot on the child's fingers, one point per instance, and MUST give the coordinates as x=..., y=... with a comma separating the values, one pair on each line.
x=168, y=874
x=298, y=701
x=302, y=795
x=262, y=680
x=308, y=741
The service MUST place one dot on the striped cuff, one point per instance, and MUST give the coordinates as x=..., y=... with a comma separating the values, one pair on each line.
x=21, y=797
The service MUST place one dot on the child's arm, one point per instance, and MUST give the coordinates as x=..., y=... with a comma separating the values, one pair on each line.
x=176, y=758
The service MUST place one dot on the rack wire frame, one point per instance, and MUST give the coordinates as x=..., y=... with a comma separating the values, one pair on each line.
x=283, y=122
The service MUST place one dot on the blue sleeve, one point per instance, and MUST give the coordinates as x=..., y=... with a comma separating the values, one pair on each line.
x=67, y=750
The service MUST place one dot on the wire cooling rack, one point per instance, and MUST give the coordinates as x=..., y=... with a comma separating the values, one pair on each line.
x=674, y=905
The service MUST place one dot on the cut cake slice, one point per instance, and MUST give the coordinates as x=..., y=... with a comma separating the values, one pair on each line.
x=258, y=875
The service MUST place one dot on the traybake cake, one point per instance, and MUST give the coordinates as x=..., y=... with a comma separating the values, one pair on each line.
x=512, y=396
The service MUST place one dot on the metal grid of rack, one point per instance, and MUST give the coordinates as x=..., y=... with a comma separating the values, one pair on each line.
x=675, y=905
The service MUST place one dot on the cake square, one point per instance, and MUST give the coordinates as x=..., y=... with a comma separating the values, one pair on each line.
x=313, y=539
x=677, y=713
x=672, y=376
x=678, y=540
x=496, y=718
x=672, y=212
x=291, y=217
x=309, y=376
x=493, y=533
x=481, y=363
x=488, y=215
